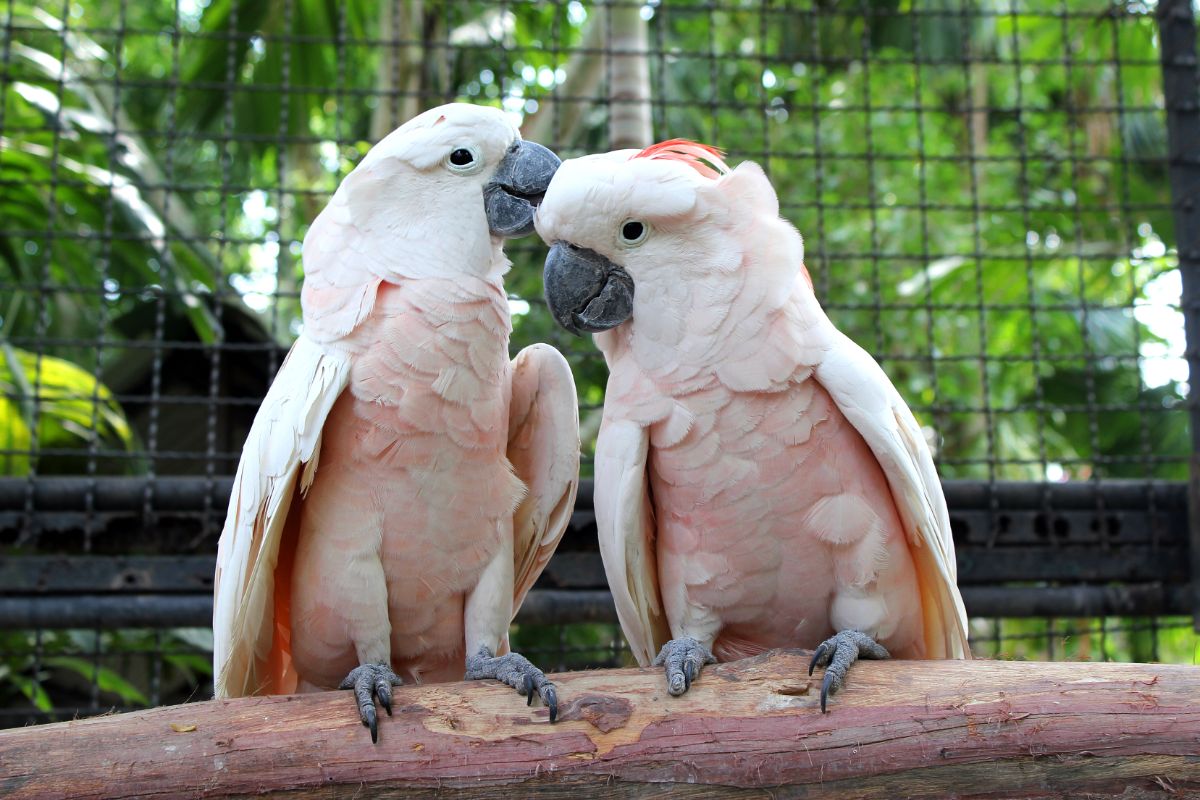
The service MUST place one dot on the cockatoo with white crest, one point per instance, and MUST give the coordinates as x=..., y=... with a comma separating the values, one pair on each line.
x=404, y=483
x=759, y=481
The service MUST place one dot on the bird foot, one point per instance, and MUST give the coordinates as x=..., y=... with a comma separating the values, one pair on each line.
x=837, y=653
x=683, y=659
x=517, y=671
x=368, y=682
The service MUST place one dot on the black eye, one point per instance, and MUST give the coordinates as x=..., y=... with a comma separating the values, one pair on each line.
x=461, y=157
x=633, y=231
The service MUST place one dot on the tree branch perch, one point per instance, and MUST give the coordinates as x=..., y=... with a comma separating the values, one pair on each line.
x=899, y=729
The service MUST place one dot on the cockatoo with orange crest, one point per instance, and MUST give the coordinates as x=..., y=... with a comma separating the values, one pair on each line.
x=759, y=482
x=404, y=483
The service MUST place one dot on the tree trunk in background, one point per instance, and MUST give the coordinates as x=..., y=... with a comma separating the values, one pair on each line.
x=750, y=728
x=628, y=65
x=979, y=113
x=400, y=68
x=556, y=123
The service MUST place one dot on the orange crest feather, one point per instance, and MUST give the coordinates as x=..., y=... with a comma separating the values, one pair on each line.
x=703, y=158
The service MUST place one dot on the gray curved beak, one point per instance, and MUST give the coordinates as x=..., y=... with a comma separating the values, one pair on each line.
x=517, y=188
x=586, y=291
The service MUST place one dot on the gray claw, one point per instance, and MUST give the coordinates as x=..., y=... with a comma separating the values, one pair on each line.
x=371, y=720
x=825, y=684
x=517, y=671
x=383, y=690
x=683, y=659
x=837, y=653
x=816, y=659
x=371, y=681
x=550, y=698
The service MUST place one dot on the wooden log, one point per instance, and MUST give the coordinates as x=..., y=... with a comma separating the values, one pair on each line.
x=746, y=729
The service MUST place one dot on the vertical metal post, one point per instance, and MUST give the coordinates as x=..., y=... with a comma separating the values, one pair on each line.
x=1181, y=93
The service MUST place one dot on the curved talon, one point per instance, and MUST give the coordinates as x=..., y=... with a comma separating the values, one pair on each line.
x=370, y=720
x=371, y=681
x=683, y=660
x=516, y=671
x=837, y=654
x=825, y=686
x=816, y=659
x=383, y=690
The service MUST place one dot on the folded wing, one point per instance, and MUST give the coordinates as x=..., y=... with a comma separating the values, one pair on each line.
x=250, y=645
x=626, y=530
x=543, y=447
x=873, y=406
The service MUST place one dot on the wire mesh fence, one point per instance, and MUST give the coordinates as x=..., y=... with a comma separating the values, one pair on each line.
x=984, y=189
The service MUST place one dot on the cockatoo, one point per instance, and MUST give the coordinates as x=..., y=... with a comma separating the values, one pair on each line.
x=759, y=482
x=403, y=483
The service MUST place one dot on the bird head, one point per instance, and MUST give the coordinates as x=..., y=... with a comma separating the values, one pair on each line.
x=637, y=233
x=448, y=186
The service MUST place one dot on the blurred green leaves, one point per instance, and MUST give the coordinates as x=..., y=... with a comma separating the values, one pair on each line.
x=73, y=412
x=53, y=668
x=1036, y=168
x=85, y=198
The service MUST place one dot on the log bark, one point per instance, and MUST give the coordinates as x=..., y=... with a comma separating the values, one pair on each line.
x=746, y=729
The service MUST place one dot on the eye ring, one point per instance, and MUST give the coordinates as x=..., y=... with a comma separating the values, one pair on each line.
x=463, y=159
x=633, y=232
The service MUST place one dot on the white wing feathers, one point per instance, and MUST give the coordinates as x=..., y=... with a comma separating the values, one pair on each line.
x=543, y=447
x=286, y=433
x=873, y=406
x=625, y=527
x=341, y=280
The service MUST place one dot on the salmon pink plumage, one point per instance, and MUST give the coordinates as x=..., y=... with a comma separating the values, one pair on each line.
x=404, y=482
x=759, y=481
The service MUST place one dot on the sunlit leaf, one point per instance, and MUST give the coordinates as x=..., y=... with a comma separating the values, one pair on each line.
x=106, y=679
x=33, y=691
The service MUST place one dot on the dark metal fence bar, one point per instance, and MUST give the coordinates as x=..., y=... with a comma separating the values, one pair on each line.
x=190, y=494
x=563, y=606
x=541, y=607
x=1126, y=506
x=1181, y=93
x=107, y=612
x=1006, y=534
x=115, y=494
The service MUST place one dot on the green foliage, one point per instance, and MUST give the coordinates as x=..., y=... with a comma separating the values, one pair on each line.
x=45, y=670
x=981, y=267
x=247, y=50
x=105, y=679
x=575, y=646
x=997, y=213
x=81, y=212
x=73, y=412
x=1165, y=639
